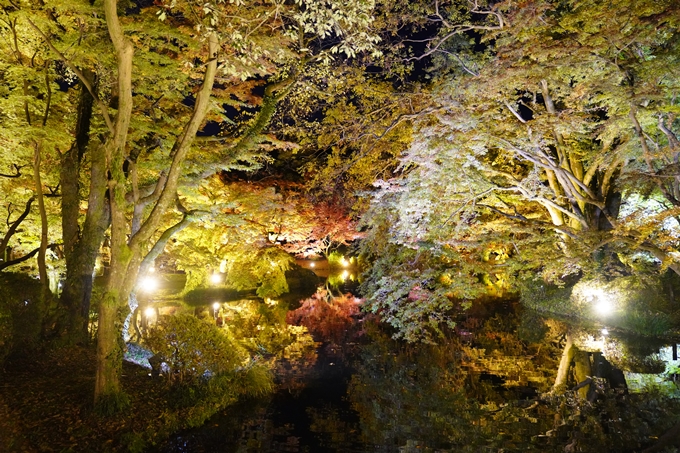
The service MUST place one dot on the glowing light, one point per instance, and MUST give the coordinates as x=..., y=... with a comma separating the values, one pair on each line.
x=270, y=302
x=149, y=284
x=344, y=275
x=215, y=278
x=149, y=312
x=216, y=306
x=593, y=293
x=605, y=331
x=312, y=264
x=344, y=262
x=603, y=306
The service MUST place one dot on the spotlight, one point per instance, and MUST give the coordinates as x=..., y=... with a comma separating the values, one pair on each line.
x=149, y=284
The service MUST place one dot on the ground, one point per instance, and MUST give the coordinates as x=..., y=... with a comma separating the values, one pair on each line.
x=46, y=406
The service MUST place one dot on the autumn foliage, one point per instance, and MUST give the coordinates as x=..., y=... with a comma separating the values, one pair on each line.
x=329, y=319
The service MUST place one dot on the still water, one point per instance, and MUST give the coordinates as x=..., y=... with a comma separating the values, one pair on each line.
x=316, y=418
x=487, y=386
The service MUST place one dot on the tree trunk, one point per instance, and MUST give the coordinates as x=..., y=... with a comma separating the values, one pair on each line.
x=42, y=266
x=127, y=256
x=582, y=370
x=109, y=341
x=81, y=246
x=565, y=363
x=107, y=394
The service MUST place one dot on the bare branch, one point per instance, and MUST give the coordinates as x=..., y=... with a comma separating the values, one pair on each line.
x=462, y=28
x=514, y=112
x=14, y=225
x=29, y=255
x=521, y=218
x=17, y=169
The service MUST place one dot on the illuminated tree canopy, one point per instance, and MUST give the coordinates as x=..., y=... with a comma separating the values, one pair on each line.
x=465, y=149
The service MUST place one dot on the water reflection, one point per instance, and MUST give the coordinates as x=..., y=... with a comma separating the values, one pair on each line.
x=487, y=386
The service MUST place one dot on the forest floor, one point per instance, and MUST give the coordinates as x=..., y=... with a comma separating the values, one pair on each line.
x=46, y=406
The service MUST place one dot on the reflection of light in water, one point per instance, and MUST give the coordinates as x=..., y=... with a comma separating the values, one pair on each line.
x=344, y=275
x=149, y=312
x=312, y=264
x=590, y=343
x=215, y=278
x=149, y=284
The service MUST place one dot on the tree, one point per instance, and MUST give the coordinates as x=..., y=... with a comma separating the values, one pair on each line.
x=533, y=159
x=142, y=189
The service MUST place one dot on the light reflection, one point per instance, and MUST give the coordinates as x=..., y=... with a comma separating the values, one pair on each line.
x=150, y=312
x=215, y=278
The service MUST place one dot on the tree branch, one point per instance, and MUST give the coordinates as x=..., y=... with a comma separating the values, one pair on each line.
x=17, y=169
x=83, y=79
x=14, y=225
x=26, y=257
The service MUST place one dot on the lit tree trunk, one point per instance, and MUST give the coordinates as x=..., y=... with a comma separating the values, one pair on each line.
x=42, y=266
x=583, y=371
x=565, y=363
x=81, y=245
x=108, y=393
x=127, y=255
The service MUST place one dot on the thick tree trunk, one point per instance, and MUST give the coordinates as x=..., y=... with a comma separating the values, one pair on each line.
x=108, y=395
x=109, y=340
x=583, y=371
x=126, y=256
x=81, y=246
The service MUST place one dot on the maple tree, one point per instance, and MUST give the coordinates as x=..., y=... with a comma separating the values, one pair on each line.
x=538, y=161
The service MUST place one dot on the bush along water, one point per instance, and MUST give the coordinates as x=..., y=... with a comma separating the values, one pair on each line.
x=205, y=367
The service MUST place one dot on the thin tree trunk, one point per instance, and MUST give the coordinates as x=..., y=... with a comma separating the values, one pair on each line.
x=565, y=362
x=42, y=266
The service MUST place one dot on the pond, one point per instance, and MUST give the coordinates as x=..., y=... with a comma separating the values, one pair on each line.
x=487, y=386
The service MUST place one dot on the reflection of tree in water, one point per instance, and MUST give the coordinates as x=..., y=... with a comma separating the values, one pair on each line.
x=453, y=396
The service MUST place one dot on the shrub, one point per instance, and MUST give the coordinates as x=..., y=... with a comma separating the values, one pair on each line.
x=22, y=312
x=193, y=349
